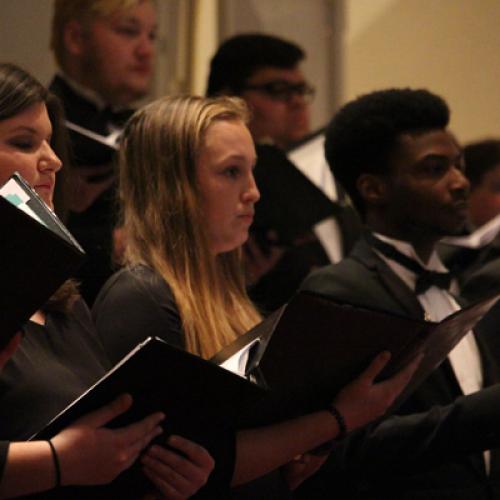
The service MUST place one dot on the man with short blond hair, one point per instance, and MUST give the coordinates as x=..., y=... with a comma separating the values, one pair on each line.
x=105, y=52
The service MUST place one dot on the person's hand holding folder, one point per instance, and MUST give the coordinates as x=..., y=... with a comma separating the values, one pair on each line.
x=90, y=453
x=186, y=464
x=357, y=404
x=364, y=399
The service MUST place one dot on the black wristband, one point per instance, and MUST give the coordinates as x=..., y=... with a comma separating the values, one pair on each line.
x=57, y=467
x=340, y=422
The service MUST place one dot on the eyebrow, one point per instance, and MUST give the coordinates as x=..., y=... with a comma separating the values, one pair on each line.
x=135, y=20
x=25, y=128
x=237, y=156
x=438, y=155
x=30, y=130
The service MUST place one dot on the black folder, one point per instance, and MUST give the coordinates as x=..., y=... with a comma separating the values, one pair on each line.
x=190, y=390
x=91, y=148
x=305, y=352
x=313, y=346
x=290, y=204
x=37, y=253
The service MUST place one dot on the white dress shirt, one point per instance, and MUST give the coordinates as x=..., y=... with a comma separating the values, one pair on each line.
x=437, y=303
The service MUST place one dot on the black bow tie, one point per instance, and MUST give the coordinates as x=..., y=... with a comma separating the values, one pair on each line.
x=425, y=278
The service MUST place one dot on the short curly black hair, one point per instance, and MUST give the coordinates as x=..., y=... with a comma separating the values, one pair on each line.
x=363, y=134
x=480, y=158
x=240, y=56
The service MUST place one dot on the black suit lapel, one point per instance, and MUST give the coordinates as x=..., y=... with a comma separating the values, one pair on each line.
x=441, y=387
x=442, y=383
x=406, y=298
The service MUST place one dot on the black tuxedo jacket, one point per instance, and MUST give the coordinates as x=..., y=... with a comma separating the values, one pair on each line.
x=86, y=114
x=432, y=449
x=92, y=227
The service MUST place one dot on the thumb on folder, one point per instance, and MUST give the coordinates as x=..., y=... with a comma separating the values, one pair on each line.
x=90, y=453
x=364, y=400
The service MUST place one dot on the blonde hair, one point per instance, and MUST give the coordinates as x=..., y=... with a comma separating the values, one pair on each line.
x=85, y=12
x=164, y=223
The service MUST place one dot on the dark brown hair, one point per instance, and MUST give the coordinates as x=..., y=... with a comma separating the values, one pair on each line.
x=19, y=91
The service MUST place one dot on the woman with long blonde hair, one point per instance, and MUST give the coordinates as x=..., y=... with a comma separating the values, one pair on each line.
x=188, y=195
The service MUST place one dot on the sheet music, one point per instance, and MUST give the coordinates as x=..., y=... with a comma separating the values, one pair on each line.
x=13, y=193
x=237, y=362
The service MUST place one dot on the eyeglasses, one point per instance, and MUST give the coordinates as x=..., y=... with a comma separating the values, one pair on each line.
x=281, y=90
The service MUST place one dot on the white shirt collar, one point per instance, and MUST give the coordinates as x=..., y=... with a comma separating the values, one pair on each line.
x=406, y=248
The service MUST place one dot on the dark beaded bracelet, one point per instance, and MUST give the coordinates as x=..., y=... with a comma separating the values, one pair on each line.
x=57, y=467
x=340, y=422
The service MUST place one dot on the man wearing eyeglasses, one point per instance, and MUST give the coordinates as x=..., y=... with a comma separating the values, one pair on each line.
x=265, y=71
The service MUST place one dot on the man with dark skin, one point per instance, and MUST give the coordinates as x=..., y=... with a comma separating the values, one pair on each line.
x=404, y=171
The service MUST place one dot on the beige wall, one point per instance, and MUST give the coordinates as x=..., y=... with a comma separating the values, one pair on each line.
x=315, y=25
x=24, y=36
x=448, y=46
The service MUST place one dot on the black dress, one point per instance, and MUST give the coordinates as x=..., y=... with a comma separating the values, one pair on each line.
x=136, y=303
x=52, y=366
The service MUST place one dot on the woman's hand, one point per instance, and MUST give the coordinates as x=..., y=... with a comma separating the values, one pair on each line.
x=178, y=475
x=363, y=400
x=9, y=349
x=301, y=468
x=89, y=453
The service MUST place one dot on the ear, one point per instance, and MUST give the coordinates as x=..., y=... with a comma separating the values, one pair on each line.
x=373, y=189
x=74, y=37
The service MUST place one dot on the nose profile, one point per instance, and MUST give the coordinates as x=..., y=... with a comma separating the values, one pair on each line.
x=460, y=183
x=48, y=159
x=252, y=193
x=145, y=46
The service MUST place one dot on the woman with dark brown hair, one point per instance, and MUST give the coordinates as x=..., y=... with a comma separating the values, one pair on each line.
x=59, y=356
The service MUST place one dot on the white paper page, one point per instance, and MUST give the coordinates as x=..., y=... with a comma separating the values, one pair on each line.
x=238, y=361
x=14, y=194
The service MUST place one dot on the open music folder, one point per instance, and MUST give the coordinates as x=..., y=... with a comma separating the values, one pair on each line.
x=295, y=361
x=190, y=390
x=37, y=251
x=312, y=347
x=290, y=204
